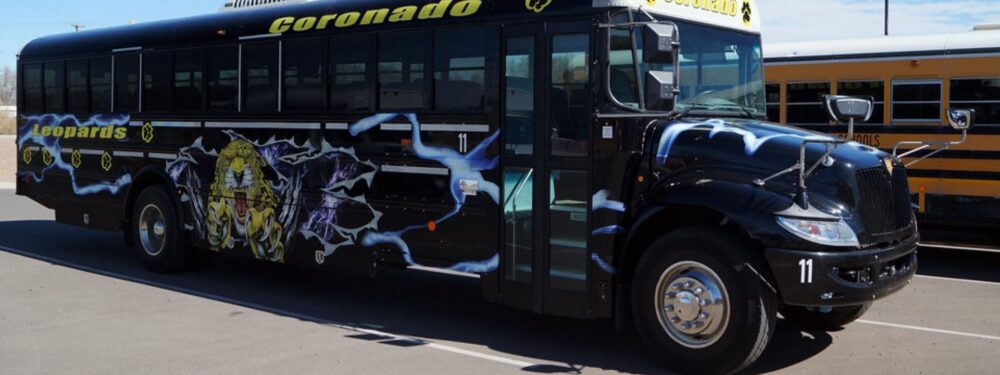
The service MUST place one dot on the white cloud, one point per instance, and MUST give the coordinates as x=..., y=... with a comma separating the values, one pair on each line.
x=796, y=20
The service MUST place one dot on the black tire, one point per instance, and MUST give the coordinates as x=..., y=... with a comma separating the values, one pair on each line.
x=831, y=321
x=752, y=308
x=174, y=251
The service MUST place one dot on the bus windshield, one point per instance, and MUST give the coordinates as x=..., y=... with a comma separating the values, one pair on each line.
x=721, y=70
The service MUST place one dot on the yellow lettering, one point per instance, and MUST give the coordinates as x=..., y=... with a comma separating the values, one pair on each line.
x=434, y=10
x=71, y=132
x=403, y=14
x=348, y=19
x=281, y=25
x=46, y=131
x=466, y=8
x=107, y=132
x=375, y=16
x=35, y=131
x=121, y=133
x=325, y=20
x=304, y=24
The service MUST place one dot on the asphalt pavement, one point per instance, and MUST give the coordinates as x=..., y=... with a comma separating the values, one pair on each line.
x=76, y=301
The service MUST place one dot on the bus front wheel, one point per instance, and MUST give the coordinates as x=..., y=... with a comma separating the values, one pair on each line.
x=698, y=307
x=156, y=233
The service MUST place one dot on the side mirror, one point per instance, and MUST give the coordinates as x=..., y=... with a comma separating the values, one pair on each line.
x=849, y=108
x=962, y=119
x=661, y=90
x=659, y=43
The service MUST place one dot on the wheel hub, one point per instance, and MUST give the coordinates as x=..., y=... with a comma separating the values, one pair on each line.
x=152, y=230
x=693, y=305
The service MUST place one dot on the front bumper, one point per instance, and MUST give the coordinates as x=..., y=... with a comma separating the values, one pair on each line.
x=808, y=278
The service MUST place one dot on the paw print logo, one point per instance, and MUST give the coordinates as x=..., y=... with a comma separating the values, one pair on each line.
x=106, y=161
x=747, y=13
x=26, y=155
x=46, y=157
x=76, y=159
x=537, y=6
x=147, y=132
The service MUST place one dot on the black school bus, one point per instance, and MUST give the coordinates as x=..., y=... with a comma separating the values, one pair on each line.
x=593, y=160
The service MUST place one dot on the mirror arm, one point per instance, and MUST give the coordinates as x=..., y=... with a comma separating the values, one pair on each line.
x=801, y=191
x=943, y=146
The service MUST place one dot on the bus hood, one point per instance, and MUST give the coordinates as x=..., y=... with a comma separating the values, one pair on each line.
x=693, y=151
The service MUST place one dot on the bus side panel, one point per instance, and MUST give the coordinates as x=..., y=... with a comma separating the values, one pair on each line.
x=299, y=194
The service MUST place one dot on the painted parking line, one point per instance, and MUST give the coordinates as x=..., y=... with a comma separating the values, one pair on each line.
x=276, y=311
x=993, y=283
x=930, y=330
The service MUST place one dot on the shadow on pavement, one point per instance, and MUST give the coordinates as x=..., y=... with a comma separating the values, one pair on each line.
x=415, y=304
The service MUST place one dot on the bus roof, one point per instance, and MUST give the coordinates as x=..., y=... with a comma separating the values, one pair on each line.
x=892, y=47
x=330, y=15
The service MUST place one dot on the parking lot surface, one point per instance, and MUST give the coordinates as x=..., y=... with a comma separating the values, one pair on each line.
x=76, y=301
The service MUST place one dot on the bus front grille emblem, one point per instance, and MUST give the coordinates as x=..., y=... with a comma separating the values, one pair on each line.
x=106, y=161
x=537, y=6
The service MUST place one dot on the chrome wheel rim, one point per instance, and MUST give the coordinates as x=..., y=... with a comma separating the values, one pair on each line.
x=692, y=304
x=152, y=230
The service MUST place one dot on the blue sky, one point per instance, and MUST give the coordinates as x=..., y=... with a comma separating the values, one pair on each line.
x=784, y=20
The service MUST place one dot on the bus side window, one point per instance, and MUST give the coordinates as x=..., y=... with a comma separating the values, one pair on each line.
x=569, y=95
x=459, y=68
x=157, y=67
x=875, y=89
x=916, y=101
x=223, y=76
x=189, y=80
x=100, y=85
x=805, y=103
x=54, y=81
x=127, y=83
x=981, y=94
x=773, y=92
x=32, y=91
x=401, y=70
x=76, y=85
x=303, y=74
x=351, y=73
x=260, y=78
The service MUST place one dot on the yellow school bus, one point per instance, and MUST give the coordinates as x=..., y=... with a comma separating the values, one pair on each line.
x=914, y=80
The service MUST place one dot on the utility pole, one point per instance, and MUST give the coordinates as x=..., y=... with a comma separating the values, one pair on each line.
x=886, y=17
x=77, y=27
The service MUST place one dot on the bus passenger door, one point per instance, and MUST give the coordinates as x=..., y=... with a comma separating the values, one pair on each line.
x=546, y=168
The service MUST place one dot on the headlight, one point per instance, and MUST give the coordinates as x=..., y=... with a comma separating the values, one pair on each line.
x=831, y=233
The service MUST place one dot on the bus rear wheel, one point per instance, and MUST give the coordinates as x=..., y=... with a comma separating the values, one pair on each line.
x=698, y=307
x=833, y=320
x=156, y=234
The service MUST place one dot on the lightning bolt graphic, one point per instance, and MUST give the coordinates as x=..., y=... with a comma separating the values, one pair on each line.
x=467, y=167
x=51, y=144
